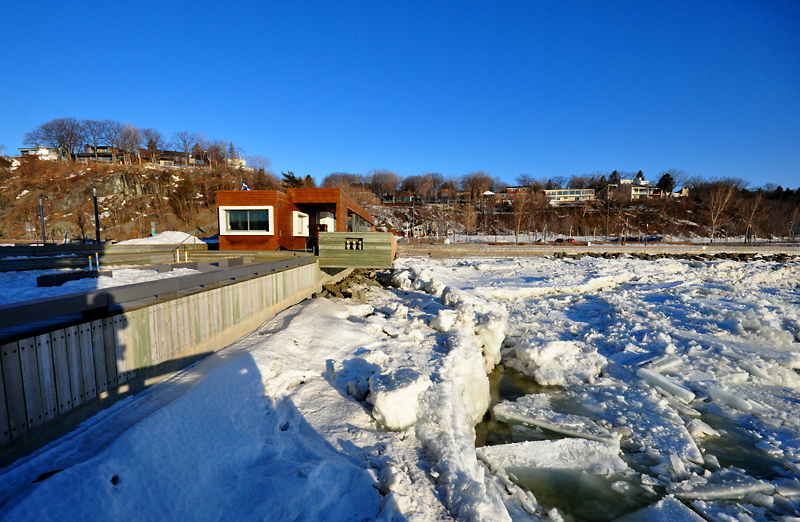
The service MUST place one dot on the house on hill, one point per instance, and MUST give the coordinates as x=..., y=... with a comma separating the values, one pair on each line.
x=273, y=220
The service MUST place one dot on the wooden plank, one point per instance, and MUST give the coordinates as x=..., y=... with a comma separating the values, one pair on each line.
x=152, y=324
x=5, y=432
x=30, y=382
x=142, y=342
x=16, y=423
x=186, y=326
x=75, y=365
x=99, y=356
x=120, y=347
x=110, y=349
x=175, y=341
x=47, y=377
x=87, y=361
x=202, y=314
x=58, y=346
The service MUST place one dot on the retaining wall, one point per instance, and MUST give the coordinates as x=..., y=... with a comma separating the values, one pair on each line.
x=51, y=382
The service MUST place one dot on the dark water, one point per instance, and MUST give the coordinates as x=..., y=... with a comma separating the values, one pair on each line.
x=589, y=498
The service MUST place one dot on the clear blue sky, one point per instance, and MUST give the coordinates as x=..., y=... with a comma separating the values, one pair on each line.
x=544, y=88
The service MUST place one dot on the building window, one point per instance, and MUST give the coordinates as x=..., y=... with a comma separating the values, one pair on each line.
x=300, y=223
x=246, y=221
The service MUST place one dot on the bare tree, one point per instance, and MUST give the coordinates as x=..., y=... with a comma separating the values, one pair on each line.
x=217, y=151
x=113, y=134
x=185, y=141
x=94, y=132
x=476, y=183
x=383, y=181
x=524, y=180
x=259, y=162
x=154, y=141
x=342, y=180
x=64, y=134
x=719, y=199
x=749, y=208
x=130, y=140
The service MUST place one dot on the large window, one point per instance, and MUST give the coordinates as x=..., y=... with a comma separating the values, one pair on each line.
x=246, y=221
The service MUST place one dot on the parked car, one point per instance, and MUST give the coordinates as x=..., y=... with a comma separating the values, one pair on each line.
x=565, y=240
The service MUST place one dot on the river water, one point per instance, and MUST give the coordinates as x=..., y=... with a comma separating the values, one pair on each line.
x=585, y=497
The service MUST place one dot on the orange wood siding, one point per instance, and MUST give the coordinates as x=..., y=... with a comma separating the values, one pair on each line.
x=308, y=201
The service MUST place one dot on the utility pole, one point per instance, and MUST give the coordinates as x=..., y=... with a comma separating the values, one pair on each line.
x=96, y=217
x=41, y=213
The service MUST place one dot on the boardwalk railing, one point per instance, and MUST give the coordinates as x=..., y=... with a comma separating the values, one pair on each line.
x=51, y=375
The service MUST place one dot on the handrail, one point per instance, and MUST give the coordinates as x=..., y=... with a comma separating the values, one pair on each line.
x=42, y=309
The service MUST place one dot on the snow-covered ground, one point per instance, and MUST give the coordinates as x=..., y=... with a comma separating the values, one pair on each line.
x=170, y=237
x=668, y=385
x=21, y=285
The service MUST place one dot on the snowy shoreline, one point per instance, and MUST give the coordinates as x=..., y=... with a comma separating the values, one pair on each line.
x=335, y=410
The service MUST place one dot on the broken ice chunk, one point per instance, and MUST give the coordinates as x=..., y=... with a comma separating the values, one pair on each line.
x=396, y=397
x=698, y=428
x=727, y=483
x=571, y=454
x=656, y=379
x=723, y=396
x=531, y=410
x=668, y=509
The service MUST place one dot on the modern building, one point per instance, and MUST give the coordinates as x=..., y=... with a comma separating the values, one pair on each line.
x=273, y=220
x=568, y=197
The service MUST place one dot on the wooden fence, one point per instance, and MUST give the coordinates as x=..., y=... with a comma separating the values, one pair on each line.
x=356, y=249
x=46, y=376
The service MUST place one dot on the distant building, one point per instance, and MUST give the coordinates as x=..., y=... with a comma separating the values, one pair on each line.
x=43, y=153
x=569, y=197
x=638, y=188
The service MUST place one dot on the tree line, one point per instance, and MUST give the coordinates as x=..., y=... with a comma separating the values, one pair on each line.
x=72, y=136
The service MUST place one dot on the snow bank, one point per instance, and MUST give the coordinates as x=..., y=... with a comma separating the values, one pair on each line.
x=170, y=237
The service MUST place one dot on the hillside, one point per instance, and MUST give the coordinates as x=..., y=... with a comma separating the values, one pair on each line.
x=132, y=197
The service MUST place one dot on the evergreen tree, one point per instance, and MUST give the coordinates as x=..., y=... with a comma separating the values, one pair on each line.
x=231, y=151
x=291, y=181
x=666, y=183
x=639, y=176
x=614, y=178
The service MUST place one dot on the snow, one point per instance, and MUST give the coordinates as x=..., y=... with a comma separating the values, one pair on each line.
x=21, y=285
x=341, y=410
x=170, y=237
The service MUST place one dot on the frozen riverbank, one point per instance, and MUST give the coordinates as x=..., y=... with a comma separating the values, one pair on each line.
x=336, y=410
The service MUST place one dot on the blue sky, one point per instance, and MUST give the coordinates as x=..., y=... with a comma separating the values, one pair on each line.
x=543, y=88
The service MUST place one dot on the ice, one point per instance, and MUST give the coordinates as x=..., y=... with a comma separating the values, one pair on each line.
x=789, y=488
x=533, y=410
x=698, y=428
x=668, y=509
x=656, y=379
x=574, y=454
x=727, y=398
x=395, y=397
x=726, y=483
x=553, y=362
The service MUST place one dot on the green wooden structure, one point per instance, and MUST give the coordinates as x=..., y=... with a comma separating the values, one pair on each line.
x=356, y=249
